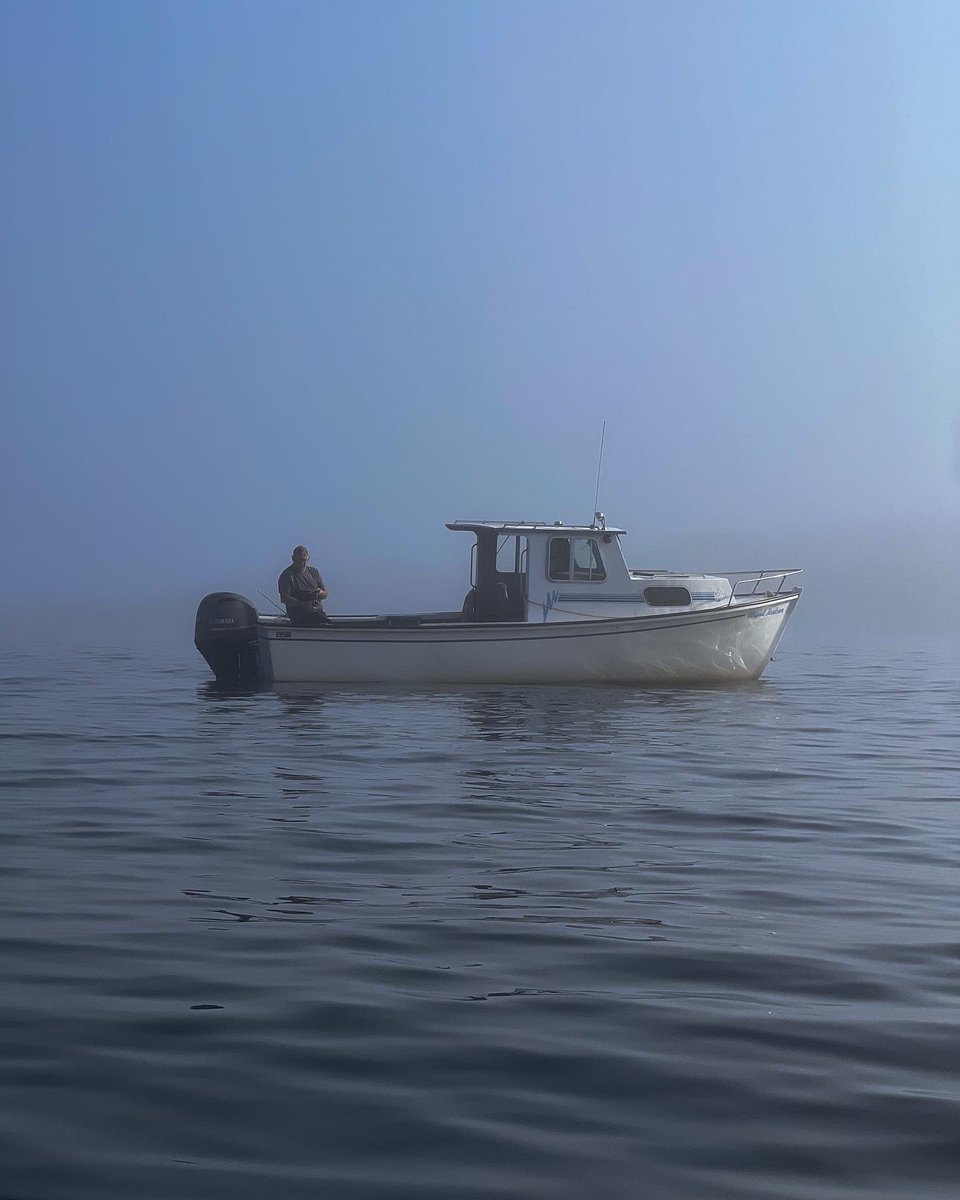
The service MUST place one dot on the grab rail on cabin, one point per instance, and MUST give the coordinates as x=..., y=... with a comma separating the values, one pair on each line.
x=756, y=580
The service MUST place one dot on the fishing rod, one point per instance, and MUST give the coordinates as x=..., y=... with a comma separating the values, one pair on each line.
x=269, y=601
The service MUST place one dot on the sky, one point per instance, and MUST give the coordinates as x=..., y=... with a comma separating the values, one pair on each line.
x=337, y=273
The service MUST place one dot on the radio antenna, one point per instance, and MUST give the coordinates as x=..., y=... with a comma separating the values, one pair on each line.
x=596, y=494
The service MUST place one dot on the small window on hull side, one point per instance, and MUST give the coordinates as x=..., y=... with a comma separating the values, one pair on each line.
x=662, y=596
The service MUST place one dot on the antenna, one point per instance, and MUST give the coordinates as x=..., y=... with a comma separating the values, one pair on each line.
x=596, y=495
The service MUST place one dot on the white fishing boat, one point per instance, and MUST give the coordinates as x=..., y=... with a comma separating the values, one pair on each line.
x=548, y=604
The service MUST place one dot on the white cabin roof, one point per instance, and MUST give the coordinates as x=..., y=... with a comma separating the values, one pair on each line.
x=510, y=528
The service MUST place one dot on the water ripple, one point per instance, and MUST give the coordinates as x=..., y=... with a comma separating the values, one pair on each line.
x=491, y=942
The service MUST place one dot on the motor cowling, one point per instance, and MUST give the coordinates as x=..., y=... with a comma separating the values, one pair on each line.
x=226, y=636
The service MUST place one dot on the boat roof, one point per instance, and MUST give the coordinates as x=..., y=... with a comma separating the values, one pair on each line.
x=509, y=528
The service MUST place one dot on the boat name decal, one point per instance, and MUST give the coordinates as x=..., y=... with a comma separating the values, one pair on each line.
x=768, y=612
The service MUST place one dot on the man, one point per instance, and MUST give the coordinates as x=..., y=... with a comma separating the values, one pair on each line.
x=302, y=590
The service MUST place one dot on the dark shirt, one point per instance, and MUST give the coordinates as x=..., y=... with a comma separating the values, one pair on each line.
x=300, y=585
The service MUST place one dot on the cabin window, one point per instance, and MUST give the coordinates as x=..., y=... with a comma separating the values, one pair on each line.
x=559, y=558
x=575, y=558
x=586, y=560
x=662, y=596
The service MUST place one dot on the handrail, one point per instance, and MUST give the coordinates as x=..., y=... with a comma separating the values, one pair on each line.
x=764, y=572
x=756, y=580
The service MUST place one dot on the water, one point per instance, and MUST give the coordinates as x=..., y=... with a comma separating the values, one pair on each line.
x=478, y=943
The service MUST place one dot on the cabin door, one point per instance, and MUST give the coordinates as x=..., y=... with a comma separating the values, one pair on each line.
x=512, y=558
x=500, y=589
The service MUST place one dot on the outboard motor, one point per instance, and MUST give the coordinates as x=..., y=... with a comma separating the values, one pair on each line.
x=226, y=636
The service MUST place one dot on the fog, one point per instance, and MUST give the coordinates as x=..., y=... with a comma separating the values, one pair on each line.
x=339, y=274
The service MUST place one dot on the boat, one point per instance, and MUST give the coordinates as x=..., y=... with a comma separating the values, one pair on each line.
x=548, y=604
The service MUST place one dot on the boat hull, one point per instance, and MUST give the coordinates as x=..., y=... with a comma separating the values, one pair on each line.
x=718, y=645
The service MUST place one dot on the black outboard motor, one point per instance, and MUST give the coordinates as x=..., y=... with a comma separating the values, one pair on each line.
x=226, y=636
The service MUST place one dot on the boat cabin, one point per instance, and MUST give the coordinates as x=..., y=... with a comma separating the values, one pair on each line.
x=535, y=572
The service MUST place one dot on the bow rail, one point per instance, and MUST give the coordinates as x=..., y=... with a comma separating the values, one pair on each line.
x=740, y=578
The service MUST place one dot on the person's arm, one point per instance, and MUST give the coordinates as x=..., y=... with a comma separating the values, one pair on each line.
x=294, y=602
x=283, y=587
x=322, y=588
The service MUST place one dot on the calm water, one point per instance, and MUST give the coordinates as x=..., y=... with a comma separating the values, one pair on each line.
x=478, y=943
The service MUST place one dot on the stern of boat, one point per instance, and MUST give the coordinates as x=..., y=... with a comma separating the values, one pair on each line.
x=226, y=635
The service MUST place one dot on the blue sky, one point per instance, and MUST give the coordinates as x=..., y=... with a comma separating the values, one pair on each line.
x=337, y=273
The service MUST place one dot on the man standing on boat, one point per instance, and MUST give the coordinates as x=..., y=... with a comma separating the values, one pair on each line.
x=302, y=590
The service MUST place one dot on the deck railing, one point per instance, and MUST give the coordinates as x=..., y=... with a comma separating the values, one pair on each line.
x=739, y=578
